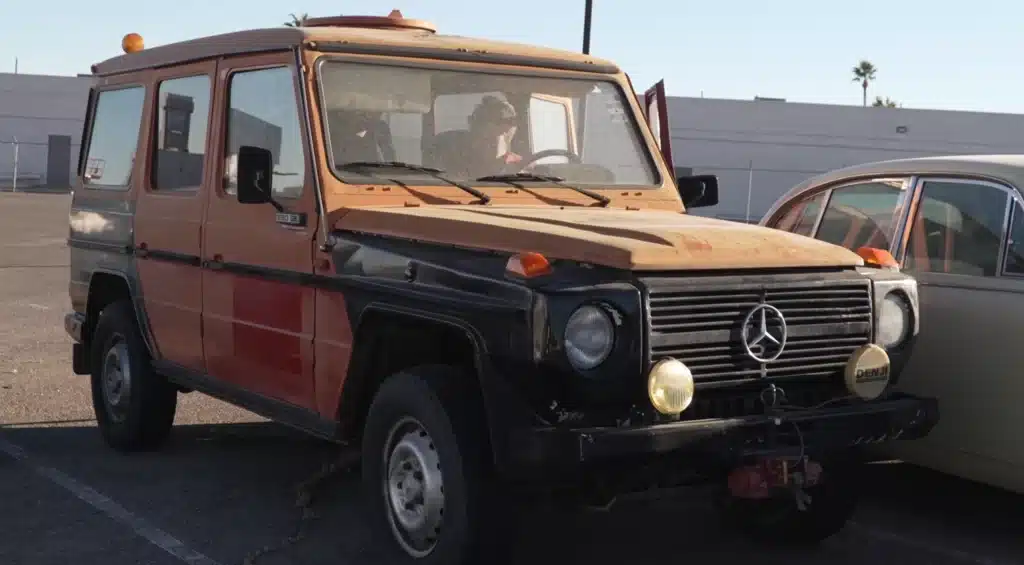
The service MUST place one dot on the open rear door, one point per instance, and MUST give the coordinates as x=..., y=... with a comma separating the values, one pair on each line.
x=656, y=112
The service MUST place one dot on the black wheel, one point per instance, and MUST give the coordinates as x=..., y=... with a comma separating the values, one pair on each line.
x=779, y=520
x=134, y=406
x=427, y=472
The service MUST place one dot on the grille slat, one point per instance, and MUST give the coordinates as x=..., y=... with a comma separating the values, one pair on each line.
x=701, y=325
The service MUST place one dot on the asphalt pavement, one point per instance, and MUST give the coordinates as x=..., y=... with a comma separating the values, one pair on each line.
x=229, y=483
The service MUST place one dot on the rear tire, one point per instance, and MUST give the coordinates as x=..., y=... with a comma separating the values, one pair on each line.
x=778, y=521
x=427, y=471
x=134, y=406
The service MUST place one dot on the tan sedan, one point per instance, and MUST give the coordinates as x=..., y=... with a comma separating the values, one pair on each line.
x=957, y=224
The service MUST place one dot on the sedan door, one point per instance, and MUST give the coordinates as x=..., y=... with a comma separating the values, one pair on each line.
x=971, y=282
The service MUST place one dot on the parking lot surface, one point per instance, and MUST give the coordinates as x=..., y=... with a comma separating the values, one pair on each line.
x=229, y=483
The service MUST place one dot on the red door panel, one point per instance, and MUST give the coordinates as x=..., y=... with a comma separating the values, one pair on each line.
x=258, y=316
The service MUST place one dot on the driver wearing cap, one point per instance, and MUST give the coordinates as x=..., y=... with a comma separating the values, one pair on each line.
x=492, y=126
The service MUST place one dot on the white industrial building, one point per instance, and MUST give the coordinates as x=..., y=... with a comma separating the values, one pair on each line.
x=761, y=148
x=758, y=148
x=40, y=128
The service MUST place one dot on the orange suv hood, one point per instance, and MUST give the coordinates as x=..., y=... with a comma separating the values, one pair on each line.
x=613, y=237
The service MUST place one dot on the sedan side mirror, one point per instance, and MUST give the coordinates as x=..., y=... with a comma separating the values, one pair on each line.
x=255, y=175
x=696, y=190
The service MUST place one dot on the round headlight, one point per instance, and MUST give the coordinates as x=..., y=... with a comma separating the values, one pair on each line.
x=893, y=320
x=670, y=386
x=589, y=337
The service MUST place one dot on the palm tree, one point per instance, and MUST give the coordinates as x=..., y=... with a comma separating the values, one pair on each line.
x=887, y=103
x=864, y=73
x=297, y=20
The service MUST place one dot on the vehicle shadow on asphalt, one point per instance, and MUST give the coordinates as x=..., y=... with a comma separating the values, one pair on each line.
x=230, y=489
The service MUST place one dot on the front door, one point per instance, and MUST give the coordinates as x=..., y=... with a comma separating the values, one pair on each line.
x=656, y=112
x=170, y=209
x=258, y=315
x=968, y=353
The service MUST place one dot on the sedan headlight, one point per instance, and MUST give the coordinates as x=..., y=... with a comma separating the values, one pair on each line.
x=589, y=337
x=894, y=320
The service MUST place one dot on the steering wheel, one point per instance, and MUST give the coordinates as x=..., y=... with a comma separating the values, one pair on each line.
x=531, y=159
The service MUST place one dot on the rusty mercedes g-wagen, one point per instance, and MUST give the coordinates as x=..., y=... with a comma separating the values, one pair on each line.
x=472, y=261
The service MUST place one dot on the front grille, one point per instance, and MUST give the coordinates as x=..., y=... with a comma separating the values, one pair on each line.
x=698, y=321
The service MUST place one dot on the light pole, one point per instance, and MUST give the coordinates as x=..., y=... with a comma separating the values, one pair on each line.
x=14, y=179
x=588, y=10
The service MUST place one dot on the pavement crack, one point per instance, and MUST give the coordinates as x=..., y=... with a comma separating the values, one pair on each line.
x=305, y=493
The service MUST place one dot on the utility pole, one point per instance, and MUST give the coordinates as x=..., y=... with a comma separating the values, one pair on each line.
x=588, y=10
x=15, y=65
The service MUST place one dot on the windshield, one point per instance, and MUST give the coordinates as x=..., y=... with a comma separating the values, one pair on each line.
x=473, y=124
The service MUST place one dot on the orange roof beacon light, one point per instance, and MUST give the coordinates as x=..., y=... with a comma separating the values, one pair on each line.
x=528, y=265
x=874, y=257
x=132, y=43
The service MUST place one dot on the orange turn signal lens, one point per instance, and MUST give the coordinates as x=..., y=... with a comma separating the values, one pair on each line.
x=874, y=257
x=529, y=264
x=132, y=43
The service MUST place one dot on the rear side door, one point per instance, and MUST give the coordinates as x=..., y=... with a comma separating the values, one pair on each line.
x=171, y=202
x=258, y=304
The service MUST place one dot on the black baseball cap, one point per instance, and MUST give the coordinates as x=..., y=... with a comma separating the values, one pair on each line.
x=493, y=109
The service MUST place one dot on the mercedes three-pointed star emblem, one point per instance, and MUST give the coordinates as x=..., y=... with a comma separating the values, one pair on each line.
x=764, y=333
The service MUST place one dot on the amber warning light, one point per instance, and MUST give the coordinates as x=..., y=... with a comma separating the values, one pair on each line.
x=528, y=265
x=874, y=257
x=132, y=43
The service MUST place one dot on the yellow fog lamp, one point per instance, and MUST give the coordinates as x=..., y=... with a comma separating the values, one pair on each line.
x=867, y=372
x=670, y=386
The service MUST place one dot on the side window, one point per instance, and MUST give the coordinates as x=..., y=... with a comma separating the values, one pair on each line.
x=958, y=229
x=800, y=217
x=862, y=214
x=183, y=114
x=114, y=137
x=1015, y=244
x=549, y=128
x=263, y=112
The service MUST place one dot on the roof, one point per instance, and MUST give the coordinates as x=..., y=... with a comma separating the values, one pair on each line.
x=1006, y=168
x=409, y=43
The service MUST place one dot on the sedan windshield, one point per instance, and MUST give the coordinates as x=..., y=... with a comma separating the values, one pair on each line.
x=471, y=125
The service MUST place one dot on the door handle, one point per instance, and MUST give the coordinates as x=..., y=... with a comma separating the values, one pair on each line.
x=216, y=263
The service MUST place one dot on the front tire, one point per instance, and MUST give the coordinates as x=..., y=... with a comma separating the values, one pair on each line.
x=134, y=406
x=427, y=473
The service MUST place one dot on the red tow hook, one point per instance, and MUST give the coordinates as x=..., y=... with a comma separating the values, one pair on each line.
x=764, y=478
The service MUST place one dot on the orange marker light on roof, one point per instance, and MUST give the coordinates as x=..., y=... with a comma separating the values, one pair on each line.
x=132, y=43
x=874, y=257
x=529, y=265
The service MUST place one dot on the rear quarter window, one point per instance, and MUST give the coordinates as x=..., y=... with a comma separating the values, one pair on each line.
x=113, y=138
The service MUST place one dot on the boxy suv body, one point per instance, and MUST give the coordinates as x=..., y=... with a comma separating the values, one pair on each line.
x=471, y=260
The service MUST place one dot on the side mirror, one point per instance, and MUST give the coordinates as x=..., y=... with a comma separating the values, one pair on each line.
x=255, y=175
x=696, y=190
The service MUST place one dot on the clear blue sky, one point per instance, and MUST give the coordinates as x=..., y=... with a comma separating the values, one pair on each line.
x=929, y=54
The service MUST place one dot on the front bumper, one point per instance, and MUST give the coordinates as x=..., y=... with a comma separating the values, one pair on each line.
x=733, y=440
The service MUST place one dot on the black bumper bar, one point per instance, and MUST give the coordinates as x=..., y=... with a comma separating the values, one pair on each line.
x=829, y=428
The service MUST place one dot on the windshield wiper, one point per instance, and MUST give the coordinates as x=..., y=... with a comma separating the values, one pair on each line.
x=530, y=177
x=436, y=173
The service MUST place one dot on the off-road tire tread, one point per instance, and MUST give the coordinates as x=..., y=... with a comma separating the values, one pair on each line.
x=153, y=400
x=449, y=401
